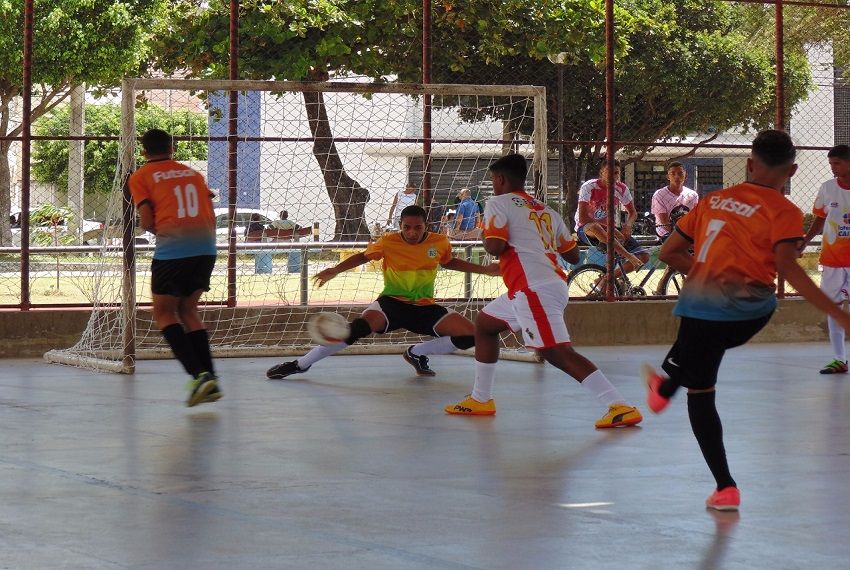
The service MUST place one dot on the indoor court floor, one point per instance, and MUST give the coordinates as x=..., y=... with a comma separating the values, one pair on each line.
x=354, y=465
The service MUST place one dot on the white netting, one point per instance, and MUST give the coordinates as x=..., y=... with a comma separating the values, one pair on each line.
x=334, y=156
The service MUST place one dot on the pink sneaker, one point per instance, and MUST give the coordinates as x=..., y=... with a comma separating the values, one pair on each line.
x=654, y=400
x=729, y=499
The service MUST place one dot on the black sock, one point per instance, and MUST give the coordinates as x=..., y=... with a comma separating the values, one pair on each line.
x=199, y=340
x=668, y=387
x=182, y=348
x=705, y=423
x=463, y=342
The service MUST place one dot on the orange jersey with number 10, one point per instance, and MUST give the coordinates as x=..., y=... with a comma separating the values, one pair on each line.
x=734, y=232
x=535, y=235
x=184, y=220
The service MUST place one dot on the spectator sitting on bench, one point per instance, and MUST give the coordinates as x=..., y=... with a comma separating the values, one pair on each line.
x=284, y=223
x=254, y=225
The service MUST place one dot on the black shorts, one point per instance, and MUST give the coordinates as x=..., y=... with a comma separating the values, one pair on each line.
x=695, y=357
x=419, y=319
x=181, y=277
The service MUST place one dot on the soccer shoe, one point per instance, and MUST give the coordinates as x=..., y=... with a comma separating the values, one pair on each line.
x=471, y=407
x=619, y=415
x=654, y=400
x=202, y=389
x=729, y=499
x=283, y=370
x=419, y=363
x=835, y=367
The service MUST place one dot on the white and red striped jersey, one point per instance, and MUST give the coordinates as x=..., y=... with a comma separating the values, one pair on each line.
x=596, y=196
x=535, y=235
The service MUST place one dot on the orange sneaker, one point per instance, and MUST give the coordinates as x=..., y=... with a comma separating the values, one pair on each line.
x=472, y=407
x=654, y=400
x=728, y=499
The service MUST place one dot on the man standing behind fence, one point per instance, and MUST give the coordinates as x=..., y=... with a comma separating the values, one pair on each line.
x=466, y=217
x=175, y=204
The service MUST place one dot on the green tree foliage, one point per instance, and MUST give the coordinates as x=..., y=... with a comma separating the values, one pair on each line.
x=50, y=157
x=682, y=68
x=804, y=26
x=289, y=40
x=74, y=42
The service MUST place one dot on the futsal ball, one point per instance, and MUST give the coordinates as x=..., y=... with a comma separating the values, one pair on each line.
x=328, y=328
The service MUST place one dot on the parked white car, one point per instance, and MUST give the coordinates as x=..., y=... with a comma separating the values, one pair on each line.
x=242, y=218
x=92, y=229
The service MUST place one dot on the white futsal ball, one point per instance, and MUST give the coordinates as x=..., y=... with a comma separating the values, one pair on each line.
x=328, y=328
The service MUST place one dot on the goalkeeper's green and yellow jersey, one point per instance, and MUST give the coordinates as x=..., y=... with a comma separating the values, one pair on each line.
x=410, y=269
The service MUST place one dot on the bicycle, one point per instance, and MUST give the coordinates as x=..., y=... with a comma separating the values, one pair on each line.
x=588, y=280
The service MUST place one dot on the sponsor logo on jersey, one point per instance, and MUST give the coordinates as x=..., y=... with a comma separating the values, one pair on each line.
x=169, y=174
x=521, y=202
x=730, y=204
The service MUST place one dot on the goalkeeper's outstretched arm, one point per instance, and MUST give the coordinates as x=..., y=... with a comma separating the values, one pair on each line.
x=456, y=264
x=355, y=260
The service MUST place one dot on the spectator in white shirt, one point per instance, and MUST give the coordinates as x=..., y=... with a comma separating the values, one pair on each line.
x=672, y=195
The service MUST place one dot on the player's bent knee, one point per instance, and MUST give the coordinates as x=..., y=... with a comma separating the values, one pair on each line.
x=463, y=342
x=359, y=328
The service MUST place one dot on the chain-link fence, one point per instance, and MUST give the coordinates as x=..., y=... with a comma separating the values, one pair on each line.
x=693, y=82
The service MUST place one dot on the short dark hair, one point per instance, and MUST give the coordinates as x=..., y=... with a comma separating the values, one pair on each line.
x=605, y=164
x=774, y=148
x=841, y=151
x=513, y=167
x=157, y=141
x=674, y=164
x=414, y=211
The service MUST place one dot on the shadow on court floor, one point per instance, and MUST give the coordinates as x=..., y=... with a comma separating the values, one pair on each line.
x=355, y=465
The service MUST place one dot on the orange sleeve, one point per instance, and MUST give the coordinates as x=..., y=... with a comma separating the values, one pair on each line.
x=375, y=250
x=787, y=226
x=139, y=190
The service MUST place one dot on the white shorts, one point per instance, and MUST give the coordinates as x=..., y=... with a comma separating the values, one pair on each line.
x=835, y=282
x=538, y=311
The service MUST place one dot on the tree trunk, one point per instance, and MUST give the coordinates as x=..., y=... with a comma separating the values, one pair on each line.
x=76, y=162
x=5, y=194
x=347, y=196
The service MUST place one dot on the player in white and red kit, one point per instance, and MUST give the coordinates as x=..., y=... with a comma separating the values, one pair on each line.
x=528, y=237
x=832, y=217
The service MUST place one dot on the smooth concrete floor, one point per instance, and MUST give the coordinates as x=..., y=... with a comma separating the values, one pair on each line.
x=355, y=465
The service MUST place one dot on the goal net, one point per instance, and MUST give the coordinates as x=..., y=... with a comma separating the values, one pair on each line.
x=335, y=157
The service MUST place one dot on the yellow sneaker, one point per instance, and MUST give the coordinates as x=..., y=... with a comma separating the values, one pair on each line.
x=471, y=407
x=619, y=415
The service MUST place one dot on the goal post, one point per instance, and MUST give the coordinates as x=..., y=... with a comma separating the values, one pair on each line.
x=333, y=155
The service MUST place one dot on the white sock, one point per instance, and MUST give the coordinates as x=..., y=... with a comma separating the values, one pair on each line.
x=602, y=388
x=485, y=376
x=439, y=345
x=317, y=353
x=836, y=338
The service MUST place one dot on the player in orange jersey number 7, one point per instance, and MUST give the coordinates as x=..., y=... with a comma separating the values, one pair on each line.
x=741, y=236
x=528, y=236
